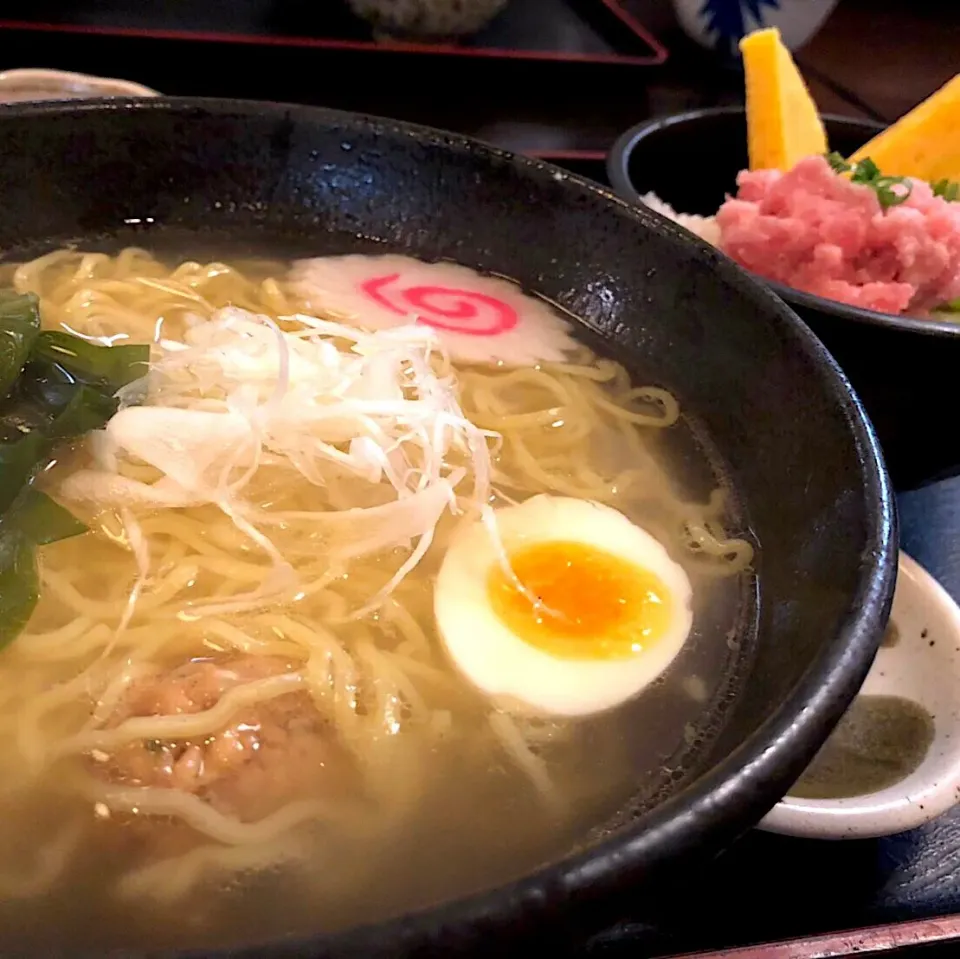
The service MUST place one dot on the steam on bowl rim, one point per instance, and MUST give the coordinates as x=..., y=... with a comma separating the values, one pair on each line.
x=618, y=171
x=733, y=795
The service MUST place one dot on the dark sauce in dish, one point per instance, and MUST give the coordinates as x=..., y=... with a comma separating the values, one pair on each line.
x=879, y=742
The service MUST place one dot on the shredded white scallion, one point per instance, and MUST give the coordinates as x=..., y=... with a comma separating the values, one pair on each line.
x=242, y=393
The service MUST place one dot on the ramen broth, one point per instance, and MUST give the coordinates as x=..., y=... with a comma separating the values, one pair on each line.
x=381, y=778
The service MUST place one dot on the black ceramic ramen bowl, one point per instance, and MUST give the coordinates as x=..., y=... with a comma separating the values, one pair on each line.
x=781, y=416
x=902, y=369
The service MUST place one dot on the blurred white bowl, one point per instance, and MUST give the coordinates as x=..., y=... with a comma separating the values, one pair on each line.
x=29, y=84
x=719, y=24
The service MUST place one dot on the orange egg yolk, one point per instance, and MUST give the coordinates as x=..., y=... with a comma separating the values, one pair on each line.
x=579, y=602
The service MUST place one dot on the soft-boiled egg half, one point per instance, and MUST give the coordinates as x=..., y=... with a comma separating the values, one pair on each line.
x=587, y=611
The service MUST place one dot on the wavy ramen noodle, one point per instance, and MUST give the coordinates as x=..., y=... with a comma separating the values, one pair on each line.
x=236, y=670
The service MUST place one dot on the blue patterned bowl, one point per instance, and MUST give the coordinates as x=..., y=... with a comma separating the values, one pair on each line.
x=719, y=24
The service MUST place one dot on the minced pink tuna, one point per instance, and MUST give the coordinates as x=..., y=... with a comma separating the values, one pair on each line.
x=818, y=232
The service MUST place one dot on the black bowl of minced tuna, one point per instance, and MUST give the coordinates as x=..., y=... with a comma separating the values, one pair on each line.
x=902, y=364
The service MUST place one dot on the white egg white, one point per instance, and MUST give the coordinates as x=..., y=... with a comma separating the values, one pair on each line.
x=511, y=671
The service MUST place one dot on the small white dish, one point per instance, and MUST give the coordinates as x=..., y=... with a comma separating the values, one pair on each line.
x=35, y=84
x=920, y=662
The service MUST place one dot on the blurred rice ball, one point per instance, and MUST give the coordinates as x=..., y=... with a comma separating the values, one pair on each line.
x=426, y=19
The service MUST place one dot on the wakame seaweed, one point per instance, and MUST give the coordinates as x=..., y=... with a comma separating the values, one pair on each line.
x=19, y=329
x=107, y=368
x=53, y=387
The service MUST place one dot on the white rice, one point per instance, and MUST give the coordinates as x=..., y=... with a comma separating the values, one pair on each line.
x=704, y=227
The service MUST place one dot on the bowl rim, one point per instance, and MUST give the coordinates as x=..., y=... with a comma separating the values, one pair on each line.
x=618, y=167
x=721, y=803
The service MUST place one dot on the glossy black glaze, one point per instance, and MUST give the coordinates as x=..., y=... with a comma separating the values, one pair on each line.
x=795, y=438
x=904, y=370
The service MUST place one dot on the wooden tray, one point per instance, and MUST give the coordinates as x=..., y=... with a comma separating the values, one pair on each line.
x=896, y=939
x=567, y=31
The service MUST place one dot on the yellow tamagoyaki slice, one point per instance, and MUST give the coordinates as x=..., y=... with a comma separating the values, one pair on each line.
x=783, y=123
x=924, y=143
